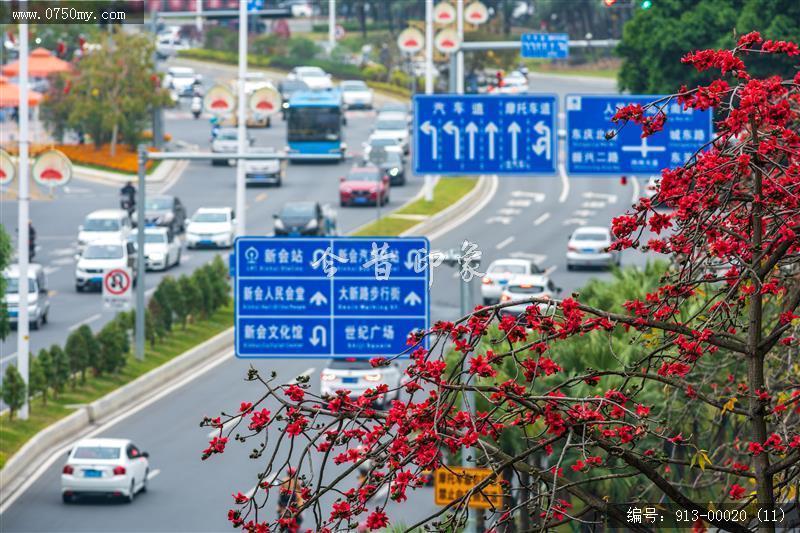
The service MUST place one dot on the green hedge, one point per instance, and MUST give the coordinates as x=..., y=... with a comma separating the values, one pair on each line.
x=351, y=27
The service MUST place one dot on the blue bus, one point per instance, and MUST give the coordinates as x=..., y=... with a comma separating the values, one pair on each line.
x=314, y=126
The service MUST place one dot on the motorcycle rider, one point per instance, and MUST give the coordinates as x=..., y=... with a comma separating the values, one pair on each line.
x=127, y=197
x=197, y=101
x=31, y=241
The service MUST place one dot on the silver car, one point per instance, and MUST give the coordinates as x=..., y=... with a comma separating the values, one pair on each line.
x=522, y=287
x=500, y=272
x=589, y=247
x=38, y=295
x=267, y=171
x=357, y=375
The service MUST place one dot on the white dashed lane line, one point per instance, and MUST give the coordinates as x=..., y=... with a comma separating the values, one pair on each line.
x=505, y=242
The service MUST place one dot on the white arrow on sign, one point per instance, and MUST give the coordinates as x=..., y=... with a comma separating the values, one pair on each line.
x=610, y=198
x=318, y=299
x=412, y=298
x=413, y=258
x=542, y=145
x=471, y=130
x=452, y=129
x=318, y=339
x=514, y=130
x=491, y=129
x=428, y=129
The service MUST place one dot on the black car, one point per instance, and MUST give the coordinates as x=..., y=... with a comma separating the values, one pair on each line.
x=304, y=219
x=166, y=211
x=391, y=164
x=287, y=88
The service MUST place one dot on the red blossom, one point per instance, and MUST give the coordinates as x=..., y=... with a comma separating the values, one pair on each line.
x=736, y=492
x=377, y=520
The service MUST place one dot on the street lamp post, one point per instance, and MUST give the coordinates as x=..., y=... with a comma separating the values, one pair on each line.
x=428, y=187
x=23, y=238
x=241, y=218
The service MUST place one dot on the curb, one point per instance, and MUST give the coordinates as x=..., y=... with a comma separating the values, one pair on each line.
x=166, y=171
x=40, y=447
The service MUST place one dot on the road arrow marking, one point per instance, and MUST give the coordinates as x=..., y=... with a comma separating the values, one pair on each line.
x=542, y=145
x=318, y=299
x=576, y=221
x=537, y=197
x=412, y=298
x=471, y=130
x=514, y=130
x=491, y=129
x=610, y=198
x=321, y=339
x=428, y=129
x=541, y=219
x=453, y=130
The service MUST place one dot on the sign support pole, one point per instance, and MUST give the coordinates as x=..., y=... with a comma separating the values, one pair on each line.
x=241, y=206
x=331, y=24
x=23, y=239
x=459, y=52
x=428, y=187
x=140, y=260
x=467, y=400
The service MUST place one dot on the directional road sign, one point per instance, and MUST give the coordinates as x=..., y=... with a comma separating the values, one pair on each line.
x=589, y=153
x=545, y=45
x=255, y=5
x=485, y=134
x=324, y=297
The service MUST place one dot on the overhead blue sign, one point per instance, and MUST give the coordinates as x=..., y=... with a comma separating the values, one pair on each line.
x=485, y=134
x=325, y=297
x=545, y=45
x=627, y=153
x=255, y=5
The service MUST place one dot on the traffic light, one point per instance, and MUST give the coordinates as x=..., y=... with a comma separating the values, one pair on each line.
x=646, y=4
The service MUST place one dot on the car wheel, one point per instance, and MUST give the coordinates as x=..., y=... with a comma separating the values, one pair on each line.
x=78, y=288
x=45, y=318
x=570, y=267
x=131, y=493
x=178, y=259
x=36, y=324
x=144, y=483
x=269, y=123
x=66, y=498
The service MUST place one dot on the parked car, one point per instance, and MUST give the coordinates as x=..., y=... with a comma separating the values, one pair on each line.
x=104, y=224
x=226, y=141
x=588, y=247
x=161, y=249
x=268, y=171
x=287, y=88
x=182, y=80
x=499, y=273
x=211, y=227
x=364, y=186
x=357, y=375
x=527, y=286
x=100, y=256
x=38, y=295
x=356, y=94
x=304, y=219
x=165, y=211
x=106, y=467
x=316, y=78
x=392, y=127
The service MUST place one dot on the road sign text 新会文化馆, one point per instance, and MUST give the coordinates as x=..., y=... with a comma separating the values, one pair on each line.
x=545, y=45
x=628, y=153
x=325, y=297
x=485, y=134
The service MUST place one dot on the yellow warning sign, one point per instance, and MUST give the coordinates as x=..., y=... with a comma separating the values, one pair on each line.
x=454, y=482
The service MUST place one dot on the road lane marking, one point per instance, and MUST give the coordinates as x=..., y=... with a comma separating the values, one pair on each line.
x=153, y=473
x=562, y=173
x=584, y=213
x=8, y=358
x=550, y=270
x=593, y=205
x=537, y=197
x=610, y=198
x=50, y=270
x=576, y=221
x=499, y=220
x=70, y=251
x=509, y=211
x=261, y=197
x=502, y=244
x=519, y=203
x=269, y=479
x=63, y=261
x=541, y=219
x=89, y=320
x=636, y=191
x=59, y=454
x=458, y=221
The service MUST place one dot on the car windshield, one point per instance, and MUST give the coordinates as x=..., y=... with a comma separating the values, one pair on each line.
x=310, y=72
x=394, y=107
x=103, y=251
x=526, y=289
x=210, y=217
x=354, y=86
x=182, y=74
x=158, y=238
x=290, y=86
x=12, y=285
x=591, y=236
x=350, y=363
x=297, y=210
x=366, y=174
x=227, y=135
x=96, y=452
x=314, y=124
x=101, y=224
x=158, y=204
x=504, y=268
x=390, y=125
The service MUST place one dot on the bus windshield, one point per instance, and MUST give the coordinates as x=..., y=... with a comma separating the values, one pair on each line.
x=314, y=124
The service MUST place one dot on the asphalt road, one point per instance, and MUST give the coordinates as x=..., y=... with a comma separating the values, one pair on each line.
x=527, y=217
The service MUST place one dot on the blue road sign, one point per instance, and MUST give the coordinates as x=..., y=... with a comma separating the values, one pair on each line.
x=545, y=45
x=255, y=5
x=589, y=153
x=325, y=297
x=485, y=134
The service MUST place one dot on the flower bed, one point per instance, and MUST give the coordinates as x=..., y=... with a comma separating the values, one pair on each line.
x=125, y=160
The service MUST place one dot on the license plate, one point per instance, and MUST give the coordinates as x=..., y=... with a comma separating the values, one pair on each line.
x=360, y=200
x=349, y=380
x=207, y=243
x=503, y=282
x=96, y=279
x=588, y=250
x=12, y=312
x=92, y=473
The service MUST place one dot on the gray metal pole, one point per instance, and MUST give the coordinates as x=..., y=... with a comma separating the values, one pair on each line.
x=459, y=53
x=241, y=205
x=428, y=187
x=332, y=24
x=23, y=238
x=451, y=79
x=140, y=284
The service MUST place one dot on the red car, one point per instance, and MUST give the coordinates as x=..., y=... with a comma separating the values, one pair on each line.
x=364, y=186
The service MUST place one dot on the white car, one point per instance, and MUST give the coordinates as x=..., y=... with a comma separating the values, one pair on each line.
x=356, y=94
x=588, y=247
x=499, y=273
x=267, y=171
x=104, y=224
x=526, y=286
x=181, y=80
x=211, y=227
x=104, y=467
x=100, y=256
x=38, y=295
x=357, y=375
x=169, y=45
x=226, y=141
x=316, y=78
x=161, y=249
x=392, y=128
x=515, y=83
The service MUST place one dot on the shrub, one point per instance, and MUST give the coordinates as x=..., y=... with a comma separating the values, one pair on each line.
x=77, y=354
x=13, y=390
x=114, y=346
x=191, y=295
x=165, y=304
x=400, y=78
x=374, y=72
x=45, y=362
x=154, y=322
x=60, y=363
x=302, y=48
x=37, y=380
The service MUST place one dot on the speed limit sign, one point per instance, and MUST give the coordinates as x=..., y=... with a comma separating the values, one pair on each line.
x=117, y=288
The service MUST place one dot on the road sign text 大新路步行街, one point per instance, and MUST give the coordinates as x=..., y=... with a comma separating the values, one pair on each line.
x=323, y=297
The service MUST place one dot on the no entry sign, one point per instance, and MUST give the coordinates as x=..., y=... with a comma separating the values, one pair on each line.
x=117, y=284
